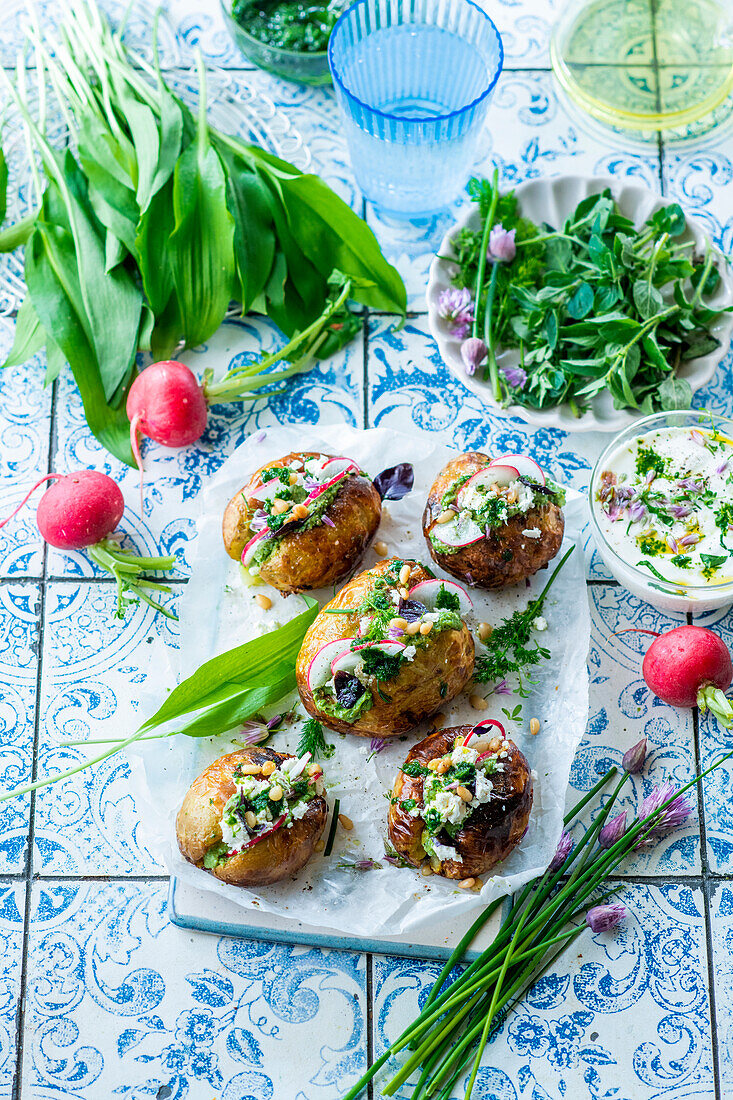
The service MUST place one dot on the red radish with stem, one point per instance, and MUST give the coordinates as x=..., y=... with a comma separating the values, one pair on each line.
x=690, y=666
x=80, y=511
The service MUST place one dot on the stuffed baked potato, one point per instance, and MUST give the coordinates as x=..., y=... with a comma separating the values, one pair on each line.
x=490, y=525
x=461, y=800
x=387, y=652
x=253, y=817
x=303, y=521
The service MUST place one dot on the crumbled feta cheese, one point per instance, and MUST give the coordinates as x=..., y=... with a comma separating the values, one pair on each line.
x=409, y=653
x=532, y=532
x=540, y=623
x=525, y=496
x=299, y=810
x=443, y=851
x=464, y=753
x=483, y=788
x=450, y=807
x=431, y=616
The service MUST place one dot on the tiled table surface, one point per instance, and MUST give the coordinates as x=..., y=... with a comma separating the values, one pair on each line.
x=100, y=996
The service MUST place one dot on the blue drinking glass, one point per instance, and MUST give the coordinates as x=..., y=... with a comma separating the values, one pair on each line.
x=413, y=79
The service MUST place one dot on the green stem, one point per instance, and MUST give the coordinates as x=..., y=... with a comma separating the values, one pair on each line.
x=491, y=370
x=482, y=256
x=713, y=699
x=128, y=570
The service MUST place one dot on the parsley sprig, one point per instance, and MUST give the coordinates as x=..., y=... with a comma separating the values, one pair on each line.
x=511, y=648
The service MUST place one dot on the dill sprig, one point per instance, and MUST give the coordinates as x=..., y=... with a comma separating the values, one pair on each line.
x=511, y=648
x=312, y=740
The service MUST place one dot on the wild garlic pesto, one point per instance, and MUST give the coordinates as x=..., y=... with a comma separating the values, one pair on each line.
x=665, y=504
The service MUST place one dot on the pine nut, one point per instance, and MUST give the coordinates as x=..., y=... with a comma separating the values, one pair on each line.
x=346, y=822
x=443, y=765
x=249, y=769
x=485, y=630
x=263, y=601
x=276, y=793
x=412, y=629
x=477, y=886
x=269, y=767
x=494, y=744
x=250, y=818
x=381, y=549
x=299, y=511
x=279, y=505
x=404, y=593
x=534, y=726
x=426, y=870
x=320, y=845
x=425, y=628
x=399, y=623
x=313, y=769
x=464, y=793
x=404, y=574
x=478, y=702
x=467, y=883
x=434, y=764
x=293, y=478
x=446, y=516
x=434, y=864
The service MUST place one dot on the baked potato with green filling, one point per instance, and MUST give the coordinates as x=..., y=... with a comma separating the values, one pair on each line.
x=430, y=816
x=302, y=521
x=229, y=825
x=490, y=530
x=387, y=652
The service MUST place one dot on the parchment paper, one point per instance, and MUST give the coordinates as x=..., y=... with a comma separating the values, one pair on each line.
x=218, y=612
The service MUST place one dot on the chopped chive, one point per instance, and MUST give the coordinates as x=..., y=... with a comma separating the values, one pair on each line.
x=332, y=831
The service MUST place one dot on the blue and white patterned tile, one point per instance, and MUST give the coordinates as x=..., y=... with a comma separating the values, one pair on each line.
x=330, y=393
x=578, y=1032
x=715, y=742
x=19, y=627
x=94, y=671
x=721, y=927
x=12, y=910
x=120, y=1002
x=529, y=134
x=25, y=425
x=622, y=711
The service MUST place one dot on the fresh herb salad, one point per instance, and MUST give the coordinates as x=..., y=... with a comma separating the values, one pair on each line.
x=594, y=305
x=665, y=503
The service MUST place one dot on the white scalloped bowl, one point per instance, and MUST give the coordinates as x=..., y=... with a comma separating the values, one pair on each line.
x=551, y=201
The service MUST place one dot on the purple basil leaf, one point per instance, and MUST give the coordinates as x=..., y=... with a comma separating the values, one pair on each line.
x=348, y=689
x=411, y=610
x=396, y=482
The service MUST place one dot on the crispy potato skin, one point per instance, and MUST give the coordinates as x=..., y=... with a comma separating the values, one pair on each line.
x=415, y=692
x=484, y=561
x=491, y=832
x=198, y=826
x=320, y=556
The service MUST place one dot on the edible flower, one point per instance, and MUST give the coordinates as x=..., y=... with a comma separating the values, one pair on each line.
x=671, y=817
x=601, y=918
x=516, y=377
x=563, y=850
x=456, y=307
x=613, y=831
x=633, y=758
x=502, y=246
x=358, y=865
x=473, y=353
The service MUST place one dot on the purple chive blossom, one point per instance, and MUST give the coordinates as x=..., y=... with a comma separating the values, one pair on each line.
x=690, y=485
x=516, y=377
x=563, y=850
x=469, y=578
x=689, y=540
x=502, y=688
x=260, y=437
x=395, y=633
x=311, y=483
x=394, y=861
x=328, y=521
x=723, y=467
x=502, y=246
x=358, y=865
x=612, y=831
x=672, y=544
x=456, y=307
x=680, y=511
x=633, y=758
x=637, y=511
x=650, y=475
x=253, y=734
x=672, y=816
x=697, y=437
x=473, y=353
x=259, y=520
x=601, y=918
x=377, y=744
x=624, y=492
x=614, y=513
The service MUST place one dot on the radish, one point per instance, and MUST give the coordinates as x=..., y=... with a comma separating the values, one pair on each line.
x=252, y=546
x=350, y=659
x=503, y=476
x=526, y=466
x=319, y=670
x=345, y=661
x=80, y=511
x=690, y=666
x=427, y=593
x=336, y=466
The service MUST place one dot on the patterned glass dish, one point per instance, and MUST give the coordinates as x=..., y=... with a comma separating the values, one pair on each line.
x=665, y=595
x=413, y=80
x=551, y=201
x=298, y=65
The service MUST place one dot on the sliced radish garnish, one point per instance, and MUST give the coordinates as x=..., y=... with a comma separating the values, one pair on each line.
x=267, y=490
x=350, y=659
x=390, y=648
x=251, y=547
x=345, y=661
x=461, y=531
x=526, y=466
x=263, y=836
x=315, y=493
x=427, y=593
x=339, y=466
x=297, y=766
x=501, y=476
x=490, y=723
x=319, y=670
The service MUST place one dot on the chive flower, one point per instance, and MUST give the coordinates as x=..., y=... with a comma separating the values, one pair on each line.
x=672, y=816
x=473, y=353
x=563, y=850
x=456, y=307
x=502, y=246
x=633, y=758
x=516, y=377
x=601, y=918
x=612, y=831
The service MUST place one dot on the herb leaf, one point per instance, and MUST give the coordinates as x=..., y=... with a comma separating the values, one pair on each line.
x=312, y=740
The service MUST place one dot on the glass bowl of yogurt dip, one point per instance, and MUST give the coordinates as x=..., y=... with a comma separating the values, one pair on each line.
x=661, y=506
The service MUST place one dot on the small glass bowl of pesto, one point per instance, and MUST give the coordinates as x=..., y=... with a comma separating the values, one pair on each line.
x=661, y=507
x=286, y=37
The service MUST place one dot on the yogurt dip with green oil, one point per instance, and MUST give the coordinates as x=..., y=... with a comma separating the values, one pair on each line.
x=664, y=502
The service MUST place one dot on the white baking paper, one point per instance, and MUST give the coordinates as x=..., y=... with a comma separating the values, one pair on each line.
x=218, y=612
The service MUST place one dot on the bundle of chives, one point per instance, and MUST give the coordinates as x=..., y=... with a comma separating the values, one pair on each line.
x=452, y=1030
